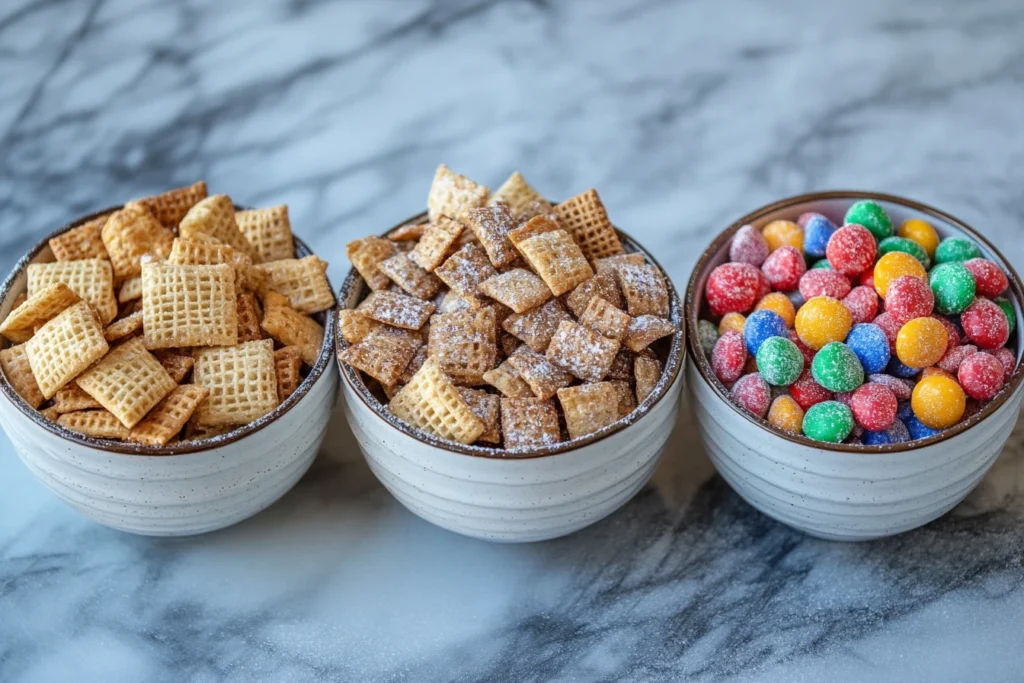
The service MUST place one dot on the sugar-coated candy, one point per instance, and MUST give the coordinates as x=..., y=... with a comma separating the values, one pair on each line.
x=897, y=432
x=824, y=282
x=989, y=279
x=781, y=304
x=917, y=429
x=871, y=216
x=867, y=278
x=898, y=369
x=733, y=287
x=922, y=233
x=752, y=394
x=952, y=331
x=921, y=342
x=732, y=322
x=844, y=397
x=707, y=334
x=728, y=357
x=837, y=368
x=873, y=406
x=829, y=421
x=822, y=320
x=890, y=326
x=782, y=234
x=909, y=297
x=954, y=249
x=907, y=246
x=804, y=348
x=806, y=216
x=748, y=246
x=783, y=268
x=821, y=264
x=1011, y=315
x=786, y=414
x=851, y=250
x=817, y=232
x=894, y=265
x=905, y=410
x=870, y=345
x=955, y=357
x=780, y=362
x=981, y=376
x=933, y=371
x=901, y=388
x=985, y=324
x=938, y=402
x=760, y=326
x=806, y=392
x=862, y=303
x=1007, y=358
x=953, y=287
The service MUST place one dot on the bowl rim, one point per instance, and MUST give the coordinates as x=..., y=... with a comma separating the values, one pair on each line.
x=670, y=374
x=184, y=447
x=703, y=366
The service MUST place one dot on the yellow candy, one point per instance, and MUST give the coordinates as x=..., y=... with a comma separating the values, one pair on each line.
x=922, y=232
x=822, y=320
x=732, y=322
x=783, y=234
x=934, y=371
x=780, y=303
x=938, y=402
x=921, y=342
x=893, y=265
x=786, y=414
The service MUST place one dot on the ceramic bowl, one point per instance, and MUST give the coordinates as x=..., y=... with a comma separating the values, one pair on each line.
x=535, y=495
x=835, y=491
x=182, y=489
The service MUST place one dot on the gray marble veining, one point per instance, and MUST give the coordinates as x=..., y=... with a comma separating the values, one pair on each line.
x=685, y=115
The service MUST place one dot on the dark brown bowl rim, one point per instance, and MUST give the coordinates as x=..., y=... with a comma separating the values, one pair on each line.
x=669, y=375
x=704, y=367
x=187, y=447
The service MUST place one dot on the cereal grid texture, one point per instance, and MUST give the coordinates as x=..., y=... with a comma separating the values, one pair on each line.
x=128, y=382
x=91, y=279
x=189, y=305
x=64, y=347
x=242, y=381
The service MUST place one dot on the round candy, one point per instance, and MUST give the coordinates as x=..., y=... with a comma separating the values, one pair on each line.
x=822, y=320
x=989, y=279
x=894, y=265
x=783, y=233
x=867, y=278
x=874, y=407
x=907, y=246
x=938, y=402
x=752, y=394
x=896, y=433
x=728, y=357
x=953, y=249
x=981, y=376
x=956, y=356
x=804, y=348
x=806, y=216
x=783, y=268
x=780, y=362
x=732, y=322
x=1007, y=358
x=953, y=287
x=733, y=287
x=935, y=370
x=748, y=246
x=760, y=326
x=871, y=216
x=952, y=333
x=1011, y=315
x=824, y=282
x=984, y=323
x=862, y=302
x=779, y=303
x=786, y=414
x=898, y=369
x=901, y=388
x=851, y=250
x=890, y=326
x=922, y=233
x=909, y=297
x=806, y=392
x=921, y=342
x=870, y=345
x=837, y=368
x=707, y=334
x=829, y=421
x=817, y=231
x=917, y=429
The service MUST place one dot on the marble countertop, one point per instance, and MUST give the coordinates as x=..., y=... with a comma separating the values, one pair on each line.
x=685, y=115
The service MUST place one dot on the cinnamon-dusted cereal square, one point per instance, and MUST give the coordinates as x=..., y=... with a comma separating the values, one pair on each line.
x=464, y=270
x=538, y=225
x=645, y=290
x=408, y=233
x=128, y=382
x=83, y=242
x=507, y=343
x=506, y=380
x=396, y=309
x=586, y=219
x=487, y=407
x=541, y=207
x=242, y=382
x=215, y=217
x=189, y=305
x=606, y=319
x=18, y=371
x=517, y=194
x=583, y=352
x=519, y=289
x=303, y=281
x=65, y=346
x=648, y=371
x=602, y=285
x=452, y=195
x=627, y=401
x=382, y=355
x=366, y=255
x=453, y=303
x=644, y=330
x=176, y=365
x=45, y=304
x=589, y=407
x=409, y=276
x=464, y=344
x=131, y=290
x=437, y=241
x=529, y=423
x=125, y=327
x=622, y=366
x=248, y=317
x=543, y=377
x=91, y=279
x=293, y=329
x=557, y=259
x=354, y=325
x=535, y=328
x=289, y=375
x=50, y=413
x=99, y=424
x=611, y=264
x=418, y=359
x=130, y=233
x=491, y=225
x=169, y=416
x=171, y=206
x=269, y=231
x=431, y=402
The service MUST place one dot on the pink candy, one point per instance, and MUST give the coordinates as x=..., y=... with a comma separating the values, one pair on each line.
x=851, y=250
x=890, y=326
x=1007, y=358
x=862, y=302
x=989, y=279
x=955, y=356
x=748, y=246
x=985, y=324
x=874, y=407
x=824, y=282
x=784, y=267
x=981, y=376
x=728, y=357
x=735, y=288
x=901, y=388
x=909, y=297
x=806, y=392
x=752, y=394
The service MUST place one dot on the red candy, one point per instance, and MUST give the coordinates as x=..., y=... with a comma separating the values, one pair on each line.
x=955, y=356
x=985, y=324
x=748, y=246
x=824, y=282
x=752, y=394
x=804, y=348
x=728, y=357
x=1007, y=358
x=891, y=326
x=989, y=279
x=806, y=392
x=981, y=376
x=874, y=407
x=783, y=268
x=909, y=297
x=851, y=249
x=734, y=288
x=862, y=302
x=867, y=278
x=952, y=334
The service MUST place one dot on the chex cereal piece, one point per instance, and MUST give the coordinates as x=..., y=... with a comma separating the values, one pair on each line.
x=581, y=351
x=519, y=289
x=538, y=225
x=644, y=330
x=622, y=366
x=418, y=359
x=409, y=276
x=65, y=346
x=382, y=355
x=586, y=219
x=491, y=225
x=193, y=252
x=648, y=371
x=291, y=328
x=171, y=206
x=408, y=233
x=464, y=344
x=176, y=365
x=242, y=382
x=611, y=264
x=91, y=279
x=288, y=376
x=128, y=382
x=365, y=255
x=431, y=402
x=517, y=193
x=396, y=309
x=589, y=407
x=506, y=380
x=605, y=319
x=535, y=328
x=215, y=217
x=627, y=401
x=487, y=407
x=189, y=305
x=645, y=290
x=507, y=343
x=19, y=300
x=354, y=325
x=197, y=432
x=437, y=240
x=269, y=231
x=169, y=416
x=36, y=310
x=540, y=207
x=602, y=285
x=82, y=242
x=464, y=270
x=248, y=317
x=14, y=362
x=126, y=326
x=452, y=195
x=543, y=377
x=131, y=290
x=557, y=259
x=50, y=413
x=99, y=424
x=303, y=281
x=529, y=422
x=452, y=303
x=130, y=233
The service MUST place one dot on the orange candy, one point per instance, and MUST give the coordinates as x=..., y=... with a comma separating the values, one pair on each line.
x=783, y=234
x=893, y=265
x=786, y=414
x=779, y=303
x=921, y=342
x=938, y=402
x=732, y=322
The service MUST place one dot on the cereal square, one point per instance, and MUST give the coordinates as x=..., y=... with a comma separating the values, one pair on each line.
x=606, y=319
x=83, y=242
x=648, y=371
x=20, y=324
x=65, y=346
x=242, y=382
x=169, y=416
x=396, y=309
x=583, y=352
x=529, y=423
x=408, y=233
x=431, y=402
x=171, y=206
x=452, y=195
x=438, y=239
x=382, y=355
x=602, y=285
x=589, y=407
x=586, y=219
x=519, y=289
x=189, y=305
x=491, y=225
x=268, y=231
x=99, y=424
x=18, y=371
x=644, y=330
x=543, y=377
x=627, y=401
x=535, y=328
x=366, y=255
x=125, y=327
x=289, y=375
x=128, y=382
x=409, y=276
x=215, y=217
x=645, y=290
x=505, y=379
x=293, y=329
x=303, y=281
x=557, y=259
x=487, y=407
x=538, y=225
x=464, y=270
x=517, y=194
x=464, y=344
x=248, y=317
x=91, y=279
x=130, y=233
x=354, y=326
x=611, y=264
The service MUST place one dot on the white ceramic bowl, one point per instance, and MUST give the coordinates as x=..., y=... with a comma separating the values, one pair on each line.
x=834, y=491
x=182, y=489
x=542, y=494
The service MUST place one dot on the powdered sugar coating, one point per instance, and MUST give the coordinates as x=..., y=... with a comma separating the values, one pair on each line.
x=908, y=297
x=862, y=302
x=728, y=357
x=873, y=407
x=783, y=268
x=733, y=287
x=807, y=392
x=824, y=282
x=956, y=356
x=748, y=246
x=901, y=388
x=752, y=393
x=851, y=250
x=985, y=324
x=981, y=376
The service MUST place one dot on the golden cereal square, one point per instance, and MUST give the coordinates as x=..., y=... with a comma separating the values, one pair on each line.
x=408, y=233
x=169, y=416
x=91, y=279
x=99, y=424
x=586, y=219
x=64, y=347
x=215, y=217
x=171, y=206
x=627, y=401
x=131, y=233
x=529, y=423
x=72, y=398
x=538, y=225
x=487, y=407
x=21, y=323
x=602, y=285
x=581, y=351
x=269, y=231
x=409, y=276
x=366, y=255
x=464, y=270
x=557, y=259
x=131, y=290
x=536, y=327
x=491, y=225
x=589, y=407
x=505, y=379
x=18, y=372
x=396, y=309
x=83, y=242
x=464, y=344
x=242, y=382
x=543, y=377
x=541, y=207
x=519, y=289
x=452, y=195
x=294, y=329
x=418, y=359
x=453, y=303
x=189, y=305
x=647, y=370
x=354, y=326
x=438, y=239
x=431, y=402
x=517, y=194
x=382, y=355
x=606, y=319
x=303, y=281
x=289, y=376
x=192, y=252
x=645, y=290
x=128, y=382
x=611, y=264
x=644, y=330
x=125, y=327
x=248, y=317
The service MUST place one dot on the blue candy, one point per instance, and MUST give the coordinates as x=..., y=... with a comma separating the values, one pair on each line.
x=918, y=430
x=905, y=411
x=898, y=369
x=868, y=341
x=897, y=433
x=761, y=325
x=817, y=232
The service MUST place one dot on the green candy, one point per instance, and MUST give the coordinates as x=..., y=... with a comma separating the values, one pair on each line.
x=837, y=368
x=953, y=249
x=829, y=421
x=911, y=247
x=1011, y=315
x=822, y=264
x=953, y=287
x=779, y=361
x=871, y=216
x=707, y=333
